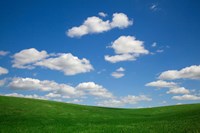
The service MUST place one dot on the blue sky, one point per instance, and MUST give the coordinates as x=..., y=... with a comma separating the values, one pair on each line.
x=109, y=53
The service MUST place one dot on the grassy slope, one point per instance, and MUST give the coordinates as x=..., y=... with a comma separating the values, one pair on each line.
x=29, y=115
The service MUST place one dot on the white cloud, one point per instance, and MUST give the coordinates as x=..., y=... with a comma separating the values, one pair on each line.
x=3, y=53
x=120, y=20
x=121, y=69
x=64, y=62
x=130, y=99
x=60, y=90
x=186, y=97
x=67, y=63
x=96, y=25
x=52, y=95
x=172, y=86
x=127, y=48
x=111, y=103
x=192, y=72
x=118, y=73
x=178, y=90
x=102, y=14
x=154, y=44
x=25, y=83
x=128, y=45
x=3, y=71
x=119, y=58
x=34, y=96
x=94, y=89
x=26, y=57
x=135, y=99
x=45, y=85
x=162, y=84
x=57, y=91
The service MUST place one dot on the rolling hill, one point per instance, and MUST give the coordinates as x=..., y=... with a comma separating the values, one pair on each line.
x=22, y=115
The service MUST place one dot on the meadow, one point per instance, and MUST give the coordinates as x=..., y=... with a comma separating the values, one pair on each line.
x=22, y=115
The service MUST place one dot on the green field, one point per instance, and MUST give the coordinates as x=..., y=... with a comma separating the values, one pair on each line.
x=19, y=115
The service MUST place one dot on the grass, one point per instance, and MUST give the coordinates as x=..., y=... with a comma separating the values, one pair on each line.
x=21, y=115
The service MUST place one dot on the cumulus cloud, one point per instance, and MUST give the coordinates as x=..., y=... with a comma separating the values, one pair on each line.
x=3, y=71
x=56, y=90
x=118, y=73
x=172, y=86
x=94, y=89
x=64, y=62
x=130, y=99
x=161, y=84
x=127, y=48
x=67, y=63
x=119, y=58
x=60, y=92
x=26, y=57
x=120, y=20
x=128, y=45
x=102, y=14
x=191, y=72
x=3, y=53
x=34, y=96
x=178, y=90
x=186, y=97
x=44, y=85
x=96, y=25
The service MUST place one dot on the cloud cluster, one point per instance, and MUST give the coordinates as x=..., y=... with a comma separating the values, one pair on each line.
x=64, y=62
x=126, y=48
x=96, y=25
x=130, y=99
x=186, y=97
x=57, y=90
x=67, y=63
x=50, y=96
x=118, y=73
x=191, y=72
x=173, y=87
x=3, y=71
x=60, y=92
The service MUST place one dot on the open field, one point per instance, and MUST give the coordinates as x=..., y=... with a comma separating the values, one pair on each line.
x=21, y=115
